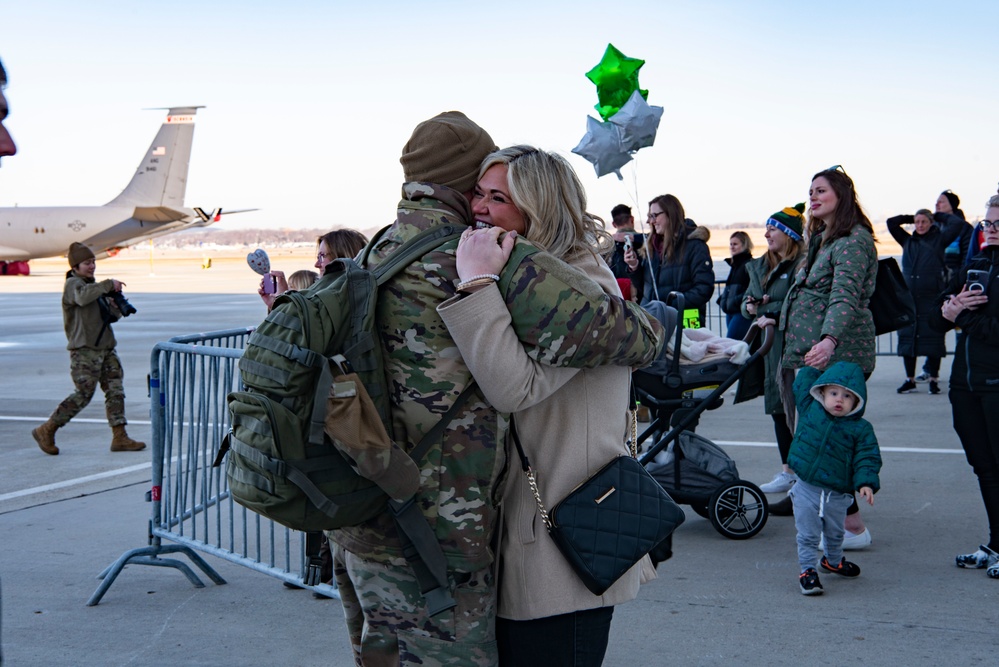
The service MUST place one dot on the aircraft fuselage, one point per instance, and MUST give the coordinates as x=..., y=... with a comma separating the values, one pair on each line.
x=28, y=232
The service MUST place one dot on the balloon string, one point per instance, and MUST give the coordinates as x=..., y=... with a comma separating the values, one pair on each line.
x=634, y=195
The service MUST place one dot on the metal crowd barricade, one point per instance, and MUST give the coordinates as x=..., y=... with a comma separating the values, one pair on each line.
x=190, y=377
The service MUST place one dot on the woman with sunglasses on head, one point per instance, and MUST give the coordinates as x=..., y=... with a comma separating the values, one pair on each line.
x=925, y=271
x=825, y=316
x=571, y=422
x=674, y=258
x=973, y=305
x=769, y=280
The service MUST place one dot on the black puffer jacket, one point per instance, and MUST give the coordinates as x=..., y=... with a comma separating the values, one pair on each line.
x=976, y=361
x=736, y=284
x=925, y=271
x=693, y=273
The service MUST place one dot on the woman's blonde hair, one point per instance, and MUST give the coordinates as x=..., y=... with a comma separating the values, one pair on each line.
x=793, y=250
x=545, y=189
x=747, y=243
x=302, y=280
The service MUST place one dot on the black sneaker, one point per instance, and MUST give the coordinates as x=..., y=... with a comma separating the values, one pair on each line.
x=934, y=387
x=845, y=567
x=907, y=387
x=809, y=582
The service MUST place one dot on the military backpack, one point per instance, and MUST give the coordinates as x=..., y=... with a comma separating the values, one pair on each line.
x=282, y=463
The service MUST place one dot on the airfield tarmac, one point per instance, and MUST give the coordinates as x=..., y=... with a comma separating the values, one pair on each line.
x=717, y=602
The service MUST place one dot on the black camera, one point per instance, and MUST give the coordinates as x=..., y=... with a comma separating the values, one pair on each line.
x=124, y=307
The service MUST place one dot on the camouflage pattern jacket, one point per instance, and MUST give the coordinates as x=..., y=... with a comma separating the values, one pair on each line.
x=81, y=316
x=562, y=318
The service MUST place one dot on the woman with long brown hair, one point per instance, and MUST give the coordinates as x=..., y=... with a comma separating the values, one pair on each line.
x=825, y=316
x=674, y=258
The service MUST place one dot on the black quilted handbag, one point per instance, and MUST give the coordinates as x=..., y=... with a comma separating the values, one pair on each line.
x=610, y=521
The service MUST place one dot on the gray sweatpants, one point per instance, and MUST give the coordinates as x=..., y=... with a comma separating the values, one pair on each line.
x=818, y=512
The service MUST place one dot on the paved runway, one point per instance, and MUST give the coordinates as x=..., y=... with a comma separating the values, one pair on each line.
x=717, y=602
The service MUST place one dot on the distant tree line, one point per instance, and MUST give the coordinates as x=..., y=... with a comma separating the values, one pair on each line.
x=243, y=237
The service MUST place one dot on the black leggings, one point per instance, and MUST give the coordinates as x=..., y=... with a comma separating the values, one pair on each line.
x=976, y=420
x=576, y=639
x=784, y=436
x=932, y=366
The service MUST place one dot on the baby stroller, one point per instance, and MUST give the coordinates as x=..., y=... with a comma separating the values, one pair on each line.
x=695, y=471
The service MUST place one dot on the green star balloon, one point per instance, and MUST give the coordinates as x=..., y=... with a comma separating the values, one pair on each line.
x=616, y=78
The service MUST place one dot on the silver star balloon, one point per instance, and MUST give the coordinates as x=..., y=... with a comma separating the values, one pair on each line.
x=602, y=146
x=638, y=122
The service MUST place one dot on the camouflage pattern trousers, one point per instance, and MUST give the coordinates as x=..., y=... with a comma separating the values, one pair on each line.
x=88, y=367
x=388, y=623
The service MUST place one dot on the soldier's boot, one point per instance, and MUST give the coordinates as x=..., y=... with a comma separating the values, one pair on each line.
x=122, y=443
x=44, y=435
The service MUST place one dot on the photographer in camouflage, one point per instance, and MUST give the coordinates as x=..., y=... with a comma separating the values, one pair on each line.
x=87, y=313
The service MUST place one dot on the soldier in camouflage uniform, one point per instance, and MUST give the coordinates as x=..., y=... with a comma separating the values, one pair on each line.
x=567, y=321
x=86, y=315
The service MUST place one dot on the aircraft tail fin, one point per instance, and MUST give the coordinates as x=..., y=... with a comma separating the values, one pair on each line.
x=161, y=178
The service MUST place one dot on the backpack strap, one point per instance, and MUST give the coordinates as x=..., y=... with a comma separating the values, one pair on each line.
x=420, y=546
x=412, y=250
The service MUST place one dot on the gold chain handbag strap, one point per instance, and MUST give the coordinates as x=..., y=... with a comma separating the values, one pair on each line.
x=532, y=480
x=633, y=442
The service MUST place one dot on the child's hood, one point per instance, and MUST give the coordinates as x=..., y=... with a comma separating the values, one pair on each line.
x=845, y=374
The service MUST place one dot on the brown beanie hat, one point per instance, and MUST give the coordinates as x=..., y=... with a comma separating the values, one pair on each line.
x=447, y=149
x=79, y=253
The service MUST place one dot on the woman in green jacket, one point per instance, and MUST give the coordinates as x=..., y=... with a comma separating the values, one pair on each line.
x=825, y=316
x=769, y=281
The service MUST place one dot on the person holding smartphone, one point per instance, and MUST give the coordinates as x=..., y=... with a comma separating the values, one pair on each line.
x=973, y=305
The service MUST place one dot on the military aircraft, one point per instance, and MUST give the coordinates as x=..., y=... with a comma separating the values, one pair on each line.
x=152, y=204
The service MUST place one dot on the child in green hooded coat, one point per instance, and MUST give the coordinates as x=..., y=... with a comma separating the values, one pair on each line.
x=834, y=453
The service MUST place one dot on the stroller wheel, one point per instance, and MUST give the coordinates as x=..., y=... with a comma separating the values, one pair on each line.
x=738, y=510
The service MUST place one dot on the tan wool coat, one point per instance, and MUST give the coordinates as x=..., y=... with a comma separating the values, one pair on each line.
x=571, y=423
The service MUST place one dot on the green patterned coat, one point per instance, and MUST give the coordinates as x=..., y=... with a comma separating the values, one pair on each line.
x=830, y=296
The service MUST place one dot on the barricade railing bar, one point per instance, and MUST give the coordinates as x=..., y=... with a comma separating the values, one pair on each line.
x=190, y=377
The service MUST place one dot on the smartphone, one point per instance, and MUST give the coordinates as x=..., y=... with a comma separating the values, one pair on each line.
x=270, y=284
x=977, y=280
x=628, y=242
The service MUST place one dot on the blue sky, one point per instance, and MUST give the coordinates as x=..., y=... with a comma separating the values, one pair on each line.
x=309, y=103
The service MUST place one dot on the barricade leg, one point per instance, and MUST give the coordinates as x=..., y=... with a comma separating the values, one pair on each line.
x=151, y=556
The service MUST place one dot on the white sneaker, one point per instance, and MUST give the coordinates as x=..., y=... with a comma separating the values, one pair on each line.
x=781, y=483
x=854, y=541
x=983, y=558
